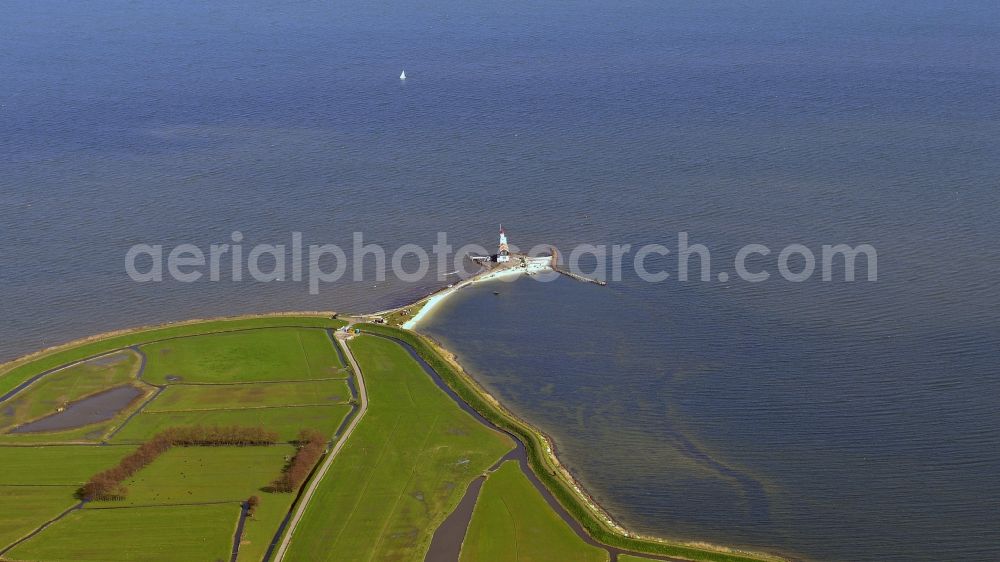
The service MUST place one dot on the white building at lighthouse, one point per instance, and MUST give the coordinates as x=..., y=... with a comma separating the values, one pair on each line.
x=503, y=252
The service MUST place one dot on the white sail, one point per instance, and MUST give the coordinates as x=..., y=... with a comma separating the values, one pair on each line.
x=402, y=75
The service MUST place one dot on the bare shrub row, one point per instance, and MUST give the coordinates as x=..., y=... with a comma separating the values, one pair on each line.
x=311, y=446
x=211, y=436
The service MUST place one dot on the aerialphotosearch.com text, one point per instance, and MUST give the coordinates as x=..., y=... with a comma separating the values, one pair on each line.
x=317, y=264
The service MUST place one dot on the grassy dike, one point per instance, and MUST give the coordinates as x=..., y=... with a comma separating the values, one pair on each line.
x=546, y=466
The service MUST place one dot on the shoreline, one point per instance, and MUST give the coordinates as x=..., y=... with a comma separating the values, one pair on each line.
x=574, y=496
x=427, y=303
x=542, y=447
x=431, y=301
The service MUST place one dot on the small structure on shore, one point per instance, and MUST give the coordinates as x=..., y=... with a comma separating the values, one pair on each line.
x=503, y=251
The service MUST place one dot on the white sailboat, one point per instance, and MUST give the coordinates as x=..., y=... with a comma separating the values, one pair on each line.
x=402, y=75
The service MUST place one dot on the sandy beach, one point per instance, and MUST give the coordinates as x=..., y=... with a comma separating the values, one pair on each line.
x=534, y=266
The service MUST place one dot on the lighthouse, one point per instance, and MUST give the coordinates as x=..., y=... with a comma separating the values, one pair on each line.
x=503, y=254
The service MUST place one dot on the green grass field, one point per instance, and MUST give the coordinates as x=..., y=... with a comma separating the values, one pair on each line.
x=92, y=434
x=34, y=506
x=38, y=483
x=55, y=390
x=184, y=397
x=205, y=474
x=211, y=474
x=279, y=354
x=162, y=533
x=402, y=471
x=511, y=521
x=16, y=372
x=287, y=421
x=259, y=530
x=68, y=465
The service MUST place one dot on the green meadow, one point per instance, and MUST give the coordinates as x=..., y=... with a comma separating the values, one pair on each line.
x=260, y=528
x=279, y=354
x=23, y=508
x=185, y=504
x=402, y=471
x=287, y=421
x=205, y=474
x=89, y=434
x=154, y=534
x=49, y=466
x=193, y=397
x=511, y=521
x=18, y=371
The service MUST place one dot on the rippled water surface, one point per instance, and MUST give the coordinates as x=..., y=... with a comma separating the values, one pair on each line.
x=845, y=421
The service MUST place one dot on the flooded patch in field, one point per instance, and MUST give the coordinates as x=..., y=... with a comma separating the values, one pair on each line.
x=97, y=408
x=108, y=360
x=447, y=541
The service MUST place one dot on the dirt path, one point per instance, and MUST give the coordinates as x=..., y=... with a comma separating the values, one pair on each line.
x=341, y=339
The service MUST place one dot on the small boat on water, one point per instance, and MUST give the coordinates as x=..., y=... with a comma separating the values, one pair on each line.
x=402, y=75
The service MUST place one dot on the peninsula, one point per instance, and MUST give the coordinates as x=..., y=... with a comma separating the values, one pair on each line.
x=293, y=436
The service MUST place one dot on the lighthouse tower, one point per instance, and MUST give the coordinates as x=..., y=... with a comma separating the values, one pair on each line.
x=503, y=255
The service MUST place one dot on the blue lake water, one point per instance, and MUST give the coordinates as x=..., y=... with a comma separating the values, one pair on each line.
x=841, y=421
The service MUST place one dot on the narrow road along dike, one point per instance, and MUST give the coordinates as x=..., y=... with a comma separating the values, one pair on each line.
x=341, y=341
